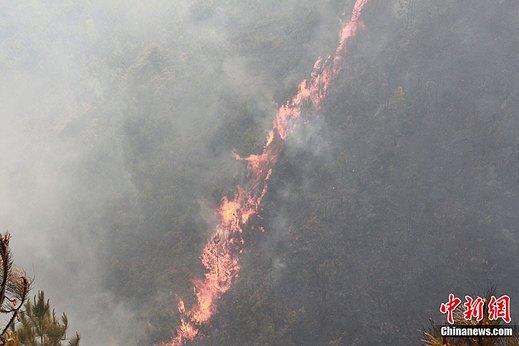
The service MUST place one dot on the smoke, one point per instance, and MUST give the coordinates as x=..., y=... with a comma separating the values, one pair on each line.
x=119, y=117
x=62, y=166
x=118, y=122
x=415, y=200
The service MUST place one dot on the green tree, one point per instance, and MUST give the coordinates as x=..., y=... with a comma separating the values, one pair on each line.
x=40, y=326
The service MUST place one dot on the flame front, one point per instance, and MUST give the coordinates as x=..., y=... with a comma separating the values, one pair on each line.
x=220, y=256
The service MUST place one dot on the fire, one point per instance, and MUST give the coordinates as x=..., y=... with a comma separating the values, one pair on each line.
x=220, y=256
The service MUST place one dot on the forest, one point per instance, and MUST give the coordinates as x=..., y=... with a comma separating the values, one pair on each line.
x=120, y=124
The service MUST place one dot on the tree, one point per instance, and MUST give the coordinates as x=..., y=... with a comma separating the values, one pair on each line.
x=14, y=287
x=41, y=327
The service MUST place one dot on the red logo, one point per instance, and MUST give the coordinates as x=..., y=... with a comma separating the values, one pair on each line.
x=473, y=308
x=497, y=308
x=449, y=307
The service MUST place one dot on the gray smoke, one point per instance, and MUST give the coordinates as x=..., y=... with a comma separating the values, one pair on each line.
x=117, y=119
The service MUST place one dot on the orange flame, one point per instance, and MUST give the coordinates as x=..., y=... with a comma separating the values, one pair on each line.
x=220, y=256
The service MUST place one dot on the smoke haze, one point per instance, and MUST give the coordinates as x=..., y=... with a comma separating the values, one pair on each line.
x=118, y=123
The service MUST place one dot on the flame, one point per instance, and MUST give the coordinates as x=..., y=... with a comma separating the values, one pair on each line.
x=220, y=256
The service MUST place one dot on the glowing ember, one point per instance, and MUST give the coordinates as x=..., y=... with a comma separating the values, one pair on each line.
x=221, y=254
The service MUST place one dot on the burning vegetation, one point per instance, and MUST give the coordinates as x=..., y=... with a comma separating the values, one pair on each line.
x=220, y=256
